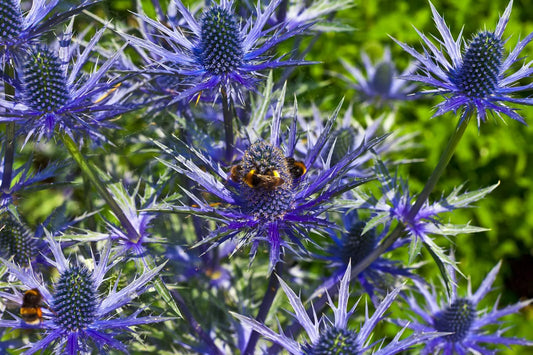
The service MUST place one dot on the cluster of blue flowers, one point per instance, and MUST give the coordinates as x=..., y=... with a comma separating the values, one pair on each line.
x=193, y=186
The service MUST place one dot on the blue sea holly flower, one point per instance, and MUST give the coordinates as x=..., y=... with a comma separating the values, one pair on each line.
x=53, y=94
x=395, y=205
x=269, y=194
x=353, y=246
x=78, y=315
x=222, y=54
x=382, y=84
x=16, y=239
x=334, y=337
x=18, y=30
x=460, y=317
x=477, y=78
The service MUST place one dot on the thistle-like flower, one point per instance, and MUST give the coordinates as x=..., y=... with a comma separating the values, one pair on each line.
x=349, y=134
x=382, y=84
x=53, y=94
x=352, y=247
x=460, y=317
x=223, y=53
x=327, y=337
x=19, y=30
x=396, y=203
x=16, y=239
x=76, y=316
x=270, y=194
x=476, y=78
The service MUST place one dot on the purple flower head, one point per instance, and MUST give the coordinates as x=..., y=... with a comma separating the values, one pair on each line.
x=476, y=78
x=18, y=30
x=460, y=317
x=55, y=94
x=220, y=54
x=24, y=177
x=353, y=246
x=349, y=134
x=395, y=205
x=381, y=85
x=334, y=337
x=269, y=195
x=77, y=315
x=133, y=207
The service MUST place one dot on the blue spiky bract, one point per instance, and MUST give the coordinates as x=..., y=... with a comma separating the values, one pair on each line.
x=461, y=317
x=78, y=314
x=477, y=79
x=223, y=55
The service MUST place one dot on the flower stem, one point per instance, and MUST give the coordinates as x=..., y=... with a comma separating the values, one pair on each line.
x=9, y=157
x=227, y=106
x=9, y=150
x=421, y=199
x=195, y=325
x=268, y=298
x=89, y=171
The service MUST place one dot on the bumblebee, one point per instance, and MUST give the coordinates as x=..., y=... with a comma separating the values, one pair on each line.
x=268, y=181
x=30, y=310
x=296, y=168
x=271, y=179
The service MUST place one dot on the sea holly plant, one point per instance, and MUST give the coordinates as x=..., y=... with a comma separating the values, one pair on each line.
x=211, y=167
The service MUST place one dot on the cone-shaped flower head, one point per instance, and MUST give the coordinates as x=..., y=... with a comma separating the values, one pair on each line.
x=15, y=239
x=269, y=195
x=54, y=92
x=19, y=30
x=460, y=317
x=221, y=53
x=381, y=85
x=77, y=314
x=475, y=78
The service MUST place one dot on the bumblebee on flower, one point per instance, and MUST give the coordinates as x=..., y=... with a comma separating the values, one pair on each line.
x=269, y=195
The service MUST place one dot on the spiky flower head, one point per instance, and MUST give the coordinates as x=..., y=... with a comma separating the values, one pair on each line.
x=380, y=84
x=223, y=54
x=395, y=206
x=54, y=92
x=78, y=315
x=460, y=317
x=18, y=30
x=269, y=195
x=478, y=78
x=353, y=246
x=16, y=240
x=334, y=337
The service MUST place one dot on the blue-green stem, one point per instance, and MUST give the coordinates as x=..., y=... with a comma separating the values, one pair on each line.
x=268, y=299
x=9, y=148
x=196, y=327
x=227, y=111
x=99, y=185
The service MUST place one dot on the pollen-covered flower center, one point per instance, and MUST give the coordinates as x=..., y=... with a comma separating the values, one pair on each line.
x=456, y=318
x=267, y=182
x=478, y=75
x=356, y=245
x=44, y=82
x=334, y=341
x=10, y=21
x=220, y=49
x=74, y=303
x=15, y=239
